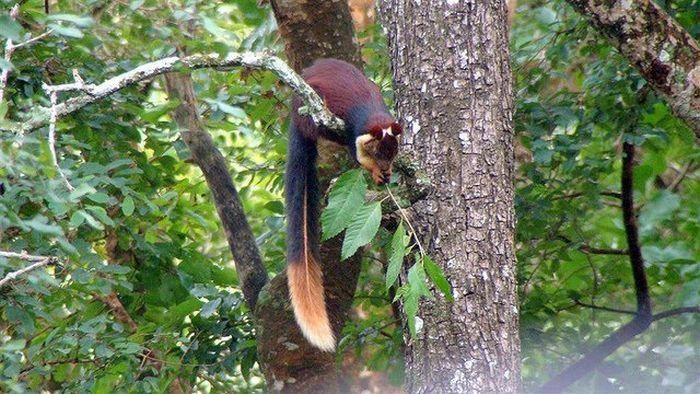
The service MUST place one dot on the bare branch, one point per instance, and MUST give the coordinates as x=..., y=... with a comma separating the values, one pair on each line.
x=632, y=232
x=246, y=256
x=585, y=248
x=52, y=138
x=259, y=61
x=604, y=308
x=643, y=317
x=676, y=183
x=39, y=261
x=676, y=312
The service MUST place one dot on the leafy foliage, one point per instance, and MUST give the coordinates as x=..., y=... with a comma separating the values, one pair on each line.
x=141, y=225
x=576, y=99
x=361, y=224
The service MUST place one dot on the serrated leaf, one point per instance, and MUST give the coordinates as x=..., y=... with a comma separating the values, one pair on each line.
x=398, y=251
x=128, y=206
x=438, y=277
x=344, y=200
x=416, y=281
x=361, y=229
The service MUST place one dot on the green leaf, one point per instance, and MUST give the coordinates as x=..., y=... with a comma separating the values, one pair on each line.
x=410, y=306
x=178, y=312
x=416, y=281
x=81, y=21
x=275, y=206
x=361, y=229
x=344, y=200
x=210, y=307
x=39, y=224
x=128, y=206
x=81, y=190
x=67, y=31
x=98, y=197
x=153, y=113
x=14, y=345
x=9, y=28
x=398, y=251
x=438, y=277
x=101, y=214
x=90, y=219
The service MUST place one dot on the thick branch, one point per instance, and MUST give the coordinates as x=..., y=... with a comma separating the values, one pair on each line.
x=643, y=317
x=632, y=232
x=260, y=61
x=591, y=360
x=249, y=265
x=664, y=53
x=604, y=308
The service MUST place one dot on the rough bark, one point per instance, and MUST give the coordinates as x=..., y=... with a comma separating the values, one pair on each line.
x=249, y=266
x=289, y=363
x=662, y=51
x=452, y=80
x=314, y=29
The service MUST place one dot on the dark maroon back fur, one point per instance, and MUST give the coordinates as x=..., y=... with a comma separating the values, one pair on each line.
x=341, y=85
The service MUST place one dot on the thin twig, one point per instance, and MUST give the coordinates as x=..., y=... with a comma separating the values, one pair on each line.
x=52, y=141
x=589, y=249
x=23, y=256
x=408, y=222
x=675, y=184
x=581, y=194
x=32, y=40
x=605, y=308
x=40, y=261
x=676, y=312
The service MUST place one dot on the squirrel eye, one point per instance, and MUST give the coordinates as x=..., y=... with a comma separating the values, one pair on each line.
x=396, y=128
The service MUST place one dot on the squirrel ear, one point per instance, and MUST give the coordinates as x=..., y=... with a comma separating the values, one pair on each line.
x=396, y=128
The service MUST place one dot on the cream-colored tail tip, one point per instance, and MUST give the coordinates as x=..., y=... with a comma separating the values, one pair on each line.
x=317, y=331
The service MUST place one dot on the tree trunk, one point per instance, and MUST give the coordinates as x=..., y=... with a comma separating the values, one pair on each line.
x=452, y=81
x=289, y=362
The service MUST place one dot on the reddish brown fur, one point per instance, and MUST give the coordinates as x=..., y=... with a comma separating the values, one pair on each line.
x=371, y=136
x=341, y=86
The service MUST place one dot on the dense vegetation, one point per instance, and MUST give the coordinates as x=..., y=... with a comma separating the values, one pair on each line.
x=140, y=222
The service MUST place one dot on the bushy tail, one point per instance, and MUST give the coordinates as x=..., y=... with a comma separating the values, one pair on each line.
x=304, y=276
